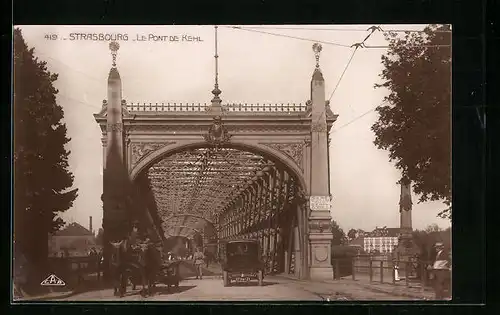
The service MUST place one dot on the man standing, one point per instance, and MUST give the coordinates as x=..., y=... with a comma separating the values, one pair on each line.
x=198, y=260
x=441, y=269
x=207, y=257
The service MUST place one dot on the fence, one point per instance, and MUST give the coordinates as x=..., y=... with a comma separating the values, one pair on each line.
x=383, y=270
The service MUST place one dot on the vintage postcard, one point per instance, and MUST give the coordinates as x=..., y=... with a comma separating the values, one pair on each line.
x=232, y=163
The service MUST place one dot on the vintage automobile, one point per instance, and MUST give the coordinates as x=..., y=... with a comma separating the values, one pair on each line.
x=169, y=274
x=241, y=262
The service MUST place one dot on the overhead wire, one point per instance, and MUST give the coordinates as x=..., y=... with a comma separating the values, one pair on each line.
x=286, y=36
x=357, y=117
x=343, y=72
x=339, y=29
x=78, y=101
x=69, y=67
x=424, y=46
x=256, y=30
x=356, y=46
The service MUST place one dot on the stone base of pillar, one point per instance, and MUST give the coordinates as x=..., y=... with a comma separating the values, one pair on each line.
x=321, y=273
x=321, y=267
x=320, y=242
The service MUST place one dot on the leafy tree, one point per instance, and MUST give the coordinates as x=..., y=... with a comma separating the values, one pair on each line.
x=352, y=234
x=425, y=240
x=339, y=237
x=415, y=125
x=42, y=181
x=432, y=228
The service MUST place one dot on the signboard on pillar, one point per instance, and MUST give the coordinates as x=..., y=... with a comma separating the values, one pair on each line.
x=320, y=203
x=320, y=207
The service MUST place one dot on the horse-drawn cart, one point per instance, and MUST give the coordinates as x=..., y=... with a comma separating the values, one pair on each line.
x=169, y=274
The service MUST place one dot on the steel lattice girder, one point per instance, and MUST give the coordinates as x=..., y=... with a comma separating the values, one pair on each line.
x=258, y=212
x=201, y=182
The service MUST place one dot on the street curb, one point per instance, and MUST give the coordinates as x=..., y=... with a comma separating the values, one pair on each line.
x=46, y=298
x=379, y=290
x=403, y=294
x=368, y=287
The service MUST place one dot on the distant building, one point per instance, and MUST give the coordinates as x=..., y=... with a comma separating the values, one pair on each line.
x=358, y=243
x=73, y=240
x=382, y=240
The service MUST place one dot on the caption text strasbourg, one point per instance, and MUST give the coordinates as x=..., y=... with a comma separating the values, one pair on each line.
x=126, y=37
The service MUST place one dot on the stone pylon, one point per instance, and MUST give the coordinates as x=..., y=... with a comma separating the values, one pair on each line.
x=320, y=236
x=115, y=175
x=115, y=217
x=406, y=246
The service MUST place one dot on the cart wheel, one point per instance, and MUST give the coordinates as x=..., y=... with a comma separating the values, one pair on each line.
x=225, y=278
x=261, y=278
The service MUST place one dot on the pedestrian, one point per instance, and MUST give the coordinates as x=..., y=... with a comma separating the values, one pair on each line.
x=207, y=257
x=441, y=270
x=198, y=260
x=396, y=272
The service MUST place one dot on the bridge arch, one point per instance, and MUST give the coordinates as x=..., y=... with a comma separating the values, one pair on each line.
x=244, y=145
x=283, y=157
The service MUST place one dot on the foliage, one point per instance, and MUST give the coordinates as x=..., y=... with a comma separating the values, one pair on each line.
x=415, y=125
x=339, y=237
x=352, y=234
x=344, y=251
x=42, y=181
x=425, y=240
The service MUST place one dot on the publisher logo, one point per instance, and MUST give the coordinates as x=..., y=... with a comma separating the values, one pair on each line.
x=53, y=280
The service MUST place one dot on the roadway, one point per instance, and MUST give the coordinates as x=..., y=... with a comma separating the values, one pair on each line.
x=211, y=288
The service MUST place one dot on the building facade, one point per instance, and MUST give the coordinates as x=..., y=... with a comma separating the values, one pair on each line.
x=73, y=240
x=381, y=240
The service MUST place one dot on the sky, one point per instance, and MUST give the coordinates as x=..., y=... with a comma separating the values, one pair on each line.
x=255, y=66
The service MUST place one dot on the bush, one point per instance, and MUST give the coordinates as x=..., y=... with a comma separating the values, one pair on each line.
x=344, y=255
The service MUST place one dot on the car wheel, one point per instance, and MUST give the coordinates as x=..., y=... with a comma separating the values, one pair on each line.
x=225, y=278
x=261, y=278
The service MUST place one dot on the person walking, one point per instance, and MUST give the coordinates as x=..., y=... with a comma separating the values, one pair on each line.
x=441, y=269
x=198, y=260
x=207, y=257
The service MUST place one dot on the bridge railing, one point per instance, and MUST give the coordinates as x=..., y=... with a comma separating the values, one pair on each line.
x=202, y=107
x=366, y=268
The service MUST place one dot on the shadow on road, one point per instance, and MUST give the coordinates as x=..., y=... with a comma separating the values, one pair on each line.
x=188, y=270
x=164, y=290
x=251, y=284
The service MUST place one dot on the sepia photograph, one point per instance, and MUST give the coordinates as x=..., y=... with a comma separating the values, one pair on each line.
x=231, y=163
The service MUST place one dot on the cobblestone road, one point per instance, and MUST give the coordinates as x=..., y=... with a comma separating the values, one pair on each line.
x=210, y=289
x=275, y=289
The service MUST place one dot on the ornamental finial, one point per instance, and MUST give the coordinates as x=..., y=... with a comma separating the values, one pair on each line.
x=114, y=46
x=317, y=48
x=216, y=101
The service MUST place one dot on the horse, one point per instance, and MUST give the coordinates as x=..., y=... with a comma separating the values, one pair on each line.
x=136, y=268
x=145, y=267
x=118, y=264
